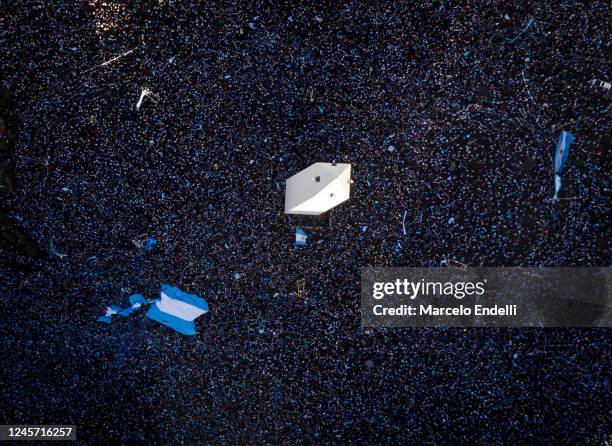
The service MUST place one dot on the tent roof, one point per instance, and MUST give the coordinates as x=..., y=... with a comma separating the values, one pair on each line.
x=318, y=188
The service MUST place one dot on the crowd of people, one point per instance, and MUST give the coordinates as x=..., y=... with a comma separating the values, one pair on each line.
x=448, y=113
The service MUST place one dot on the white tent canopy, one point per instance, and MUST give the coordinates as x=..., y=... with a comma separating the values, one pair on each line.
x=318, y=188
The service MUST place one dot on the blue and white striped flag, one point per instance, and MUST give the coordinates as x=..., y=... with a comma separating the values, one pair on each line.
x=300, y=237
x=563, y=147
x=136, y=301
x=177, y=310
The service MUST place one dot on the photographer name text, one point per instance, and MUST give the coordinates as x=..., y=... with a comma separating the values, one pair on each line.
x=430, y=310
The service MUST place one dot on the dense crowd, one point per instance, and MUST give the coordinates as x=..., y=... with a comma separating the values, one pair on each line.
x=448, y=114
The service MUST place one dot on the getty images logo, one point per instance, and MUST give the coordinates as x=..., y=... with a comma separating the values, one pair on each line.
x=412, y=290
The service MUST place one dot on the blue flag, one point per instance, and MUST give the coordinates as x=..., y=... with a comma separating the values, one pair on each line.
x=136, y=301
x=300, y=237
x=177, y=310
x=563, y=147
x=149, y=245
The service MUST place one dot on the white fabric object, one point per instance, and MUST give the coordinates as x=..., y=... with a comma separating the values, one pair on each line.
x=142, y=95
x=318, y=188
x=557, y=186
x=178, y=308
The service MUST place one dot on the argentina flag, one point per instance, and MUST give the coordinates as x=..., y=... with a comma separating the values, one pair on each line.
x=563, y=146
x=136, y=301
x=177, y=310
x=300, y=237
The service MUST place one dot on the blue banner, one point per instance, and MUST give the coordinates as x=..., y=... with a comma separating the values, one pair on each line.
x=563, y=147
